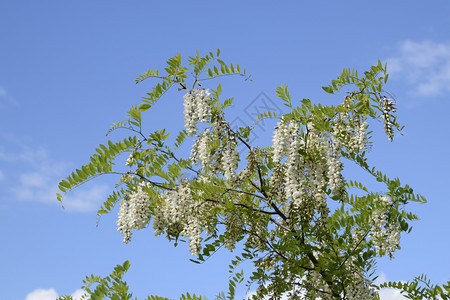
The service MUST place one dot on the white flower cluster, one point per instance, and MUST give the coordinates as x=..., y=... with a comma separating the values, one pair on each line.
x=388, y=106
x=351, y=130
x=300, y=175
x=181, y=214
x=202, y=148
x=335, y=166
x=225, y=158
x=359, y=288
x=286, y=140
x=252, y=165
x=384, y=235
x=318, y=170
x=280, y=141
x=359, y=140
x=230, y=158
x=130, y=160
x=196, y=108
x=313, y=284
x=134, y=212
x=294, y=167
x=234, y=228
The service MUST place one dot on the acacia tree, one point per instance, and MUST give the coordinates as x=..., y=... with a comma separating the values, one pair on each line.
x=310, y=232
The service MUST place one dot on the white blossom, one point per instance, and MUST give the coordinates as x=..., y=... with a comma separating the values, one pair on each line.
x=280, y=140
x=130, y=160
x=230, y=158
x=294, y=166
x=190, y=118
x=134, y=212
x=388, y=106
x=196, y=108
x=335, y=178
x=384, y=235
x=181, y=214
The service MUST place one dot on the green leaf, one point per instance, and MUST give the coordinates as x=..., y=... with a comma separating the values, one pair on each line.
x=144, y=106
x=328, y=89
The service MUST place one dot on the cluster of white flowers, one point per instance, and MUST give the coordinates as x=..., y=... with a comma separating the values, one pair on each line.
x=300, y=175
x=181, y=214
x=222, y=160
x=130, y=160
x=384, y=235
x=351, y=130
x=314, y=283
x=280, y=141
x=287, y=141
x=202, y=151
x=359, y=288
x=294, y=167
x=230, y=158
x=234, y=228
x=250, y=168
x=388, y=106
x=318, y=171
x=334, y=171
x=359, y=139
x=134, y=212
x=197, y=106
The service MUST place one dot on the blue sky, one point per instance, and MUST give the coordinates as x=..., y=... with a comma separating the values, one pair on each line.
x=67, y=71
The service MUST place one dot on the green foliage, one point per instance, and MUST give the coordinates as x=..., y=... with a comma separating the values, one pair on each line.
x=420, y=288
x=372, y=81
x=296, y=243
x=110, y=287
x=115, y=288
x=100, y=163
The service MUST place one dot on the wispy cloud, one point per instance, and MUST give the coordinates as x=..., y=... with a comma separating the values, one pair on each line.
x=6, y=98
x=388, y=293
x=51, y=294
x=424, y=65
x=41, y=294
x=39, y=177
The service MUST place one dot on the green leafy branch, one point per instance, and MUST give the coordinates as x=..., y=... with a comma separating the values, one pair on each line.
x=420, y=288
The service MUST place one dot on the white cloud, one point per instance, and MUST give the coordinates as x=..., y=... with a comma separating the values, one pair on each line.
x=424, y=65
x=85, y=199
x=51, y=294
x=388, y=293
x=78, y=294
x=39, y=182
x=5, y=97
x=41, y=294
x=391, y=294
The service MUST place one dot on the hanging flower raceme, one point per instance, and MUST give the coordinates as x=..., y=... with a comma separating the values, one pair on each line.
x=334, y=172
x=317, y=169
x=134, y=212
x=360, y=136
x=295, y=169
x=230, y=158
x=388, y=106
x=201, y=151
x=384, y=235
x=224, y=158
x=181, y=215
x=197, y=107
x=280, y=141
